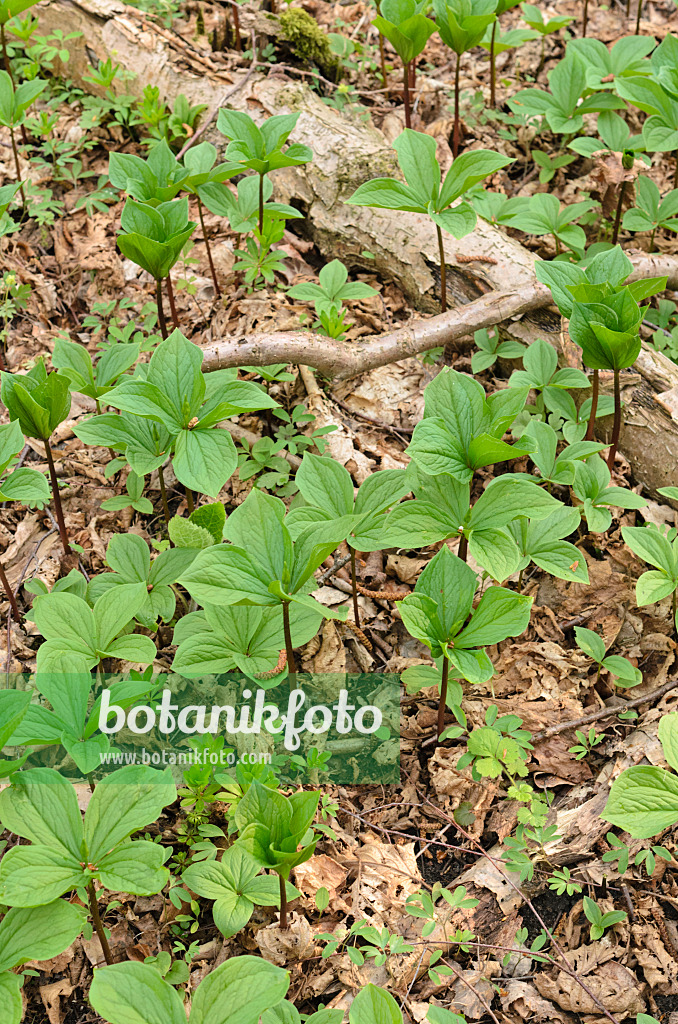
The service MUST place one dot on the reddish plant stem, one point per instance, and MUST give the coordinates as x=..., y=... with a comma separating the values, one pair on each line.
x=493, y=67
x=640, y=8
x=236, y=25
x=98, y=923
x=443, y=696
x=283, y=904
x=462, y=550
x=10, y=594
x=161, y=312
x=585, y=18
x=58, y=510
x=406, y=94
x=618, y=216
x=456, y=132
x=16, y=164
x=163, y=494
x=443, y=271
x=616, y=428
x=289, y=650
x=190, y=504
x=170, y=296
x=354, y=585
x=590, y=430
x=208, y=250
x=382, y=61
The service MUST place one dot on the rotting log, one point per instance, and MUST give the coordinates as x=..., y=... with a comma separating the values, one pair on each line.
x=490, y=279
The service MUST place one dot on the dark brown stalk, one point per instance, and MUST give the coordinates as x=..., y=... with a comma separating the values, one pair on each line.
x=98, y=923
x=640, y=8
x=261, y=204
x=8, y=69
x=354, y=581
x=674, y=610
x=190, y=504
x=382, y=61
x=170, y=296
x=236, y=25
x=455, y=134
x=18, y=168
x=591, y=428
x=10, y=594
x=161, y=312
x=675, y=173
x=283, y=904
x=163, y=494
x=616, y=428
x=443, y=697
x=289, y=650
x=59, y=512
x=618, y=215
x=462, y=550
x=443, y=271
x=208, y=250
x=406, y=94
x=493, y=67
x=585, y=18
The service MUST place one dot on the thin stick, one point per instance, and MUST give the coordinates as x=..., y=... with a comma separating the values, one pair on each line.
x=163, y=494
x=98, y=924
x=170, y=296
x=493, y=67
x=289, y=650
x=354, y=581
x=58, y=510
x=616, y=428
x=161, y=311
x=10, y=594
x=406, y=94
x=443, y=696
x=208, y=250
x=617, y=219
x=590, y=430
x=455, y=134
x=443, y=271
x=595, y=716
x=283, y=904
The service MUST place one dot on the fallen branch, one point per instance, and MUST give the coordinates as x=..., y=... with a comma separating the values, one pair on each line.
x=340, y=361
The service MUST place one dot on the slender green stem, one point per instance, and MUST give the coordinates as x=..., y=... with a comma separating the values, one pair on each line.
x=616, y=428
x=382, y=61
x=456, y=132
x=493, y=67
x=443, y=271
x=161, y=312
x=208, y=250
x=591, y=428
x=163, y=494
x=10, y=594
x=443, y=697
x=261, y=204
x=283, y=904
x=170, y=296
x=58, y=510
x=406, y=94
x=354, y=586
x=289, y=650
x=618, y=215
x=98, y=923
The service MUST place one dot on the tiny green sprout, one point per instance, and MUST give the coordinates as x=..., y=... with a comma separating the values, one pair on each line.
x=534, y=17
x=491, y=348
x=333, y=290
x=550, y=165
x=586, y=743
x=648, y=858
x=601, y=920
x=134, y=486
x=264, y=149
x=426, y=193
x=624, y=673
x=651, y=212
x=322, y=899
x=659, y=548
x=562, y=882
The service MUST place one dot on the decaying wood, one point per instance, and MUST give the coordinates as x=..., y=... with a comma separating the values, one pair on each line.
x=490, y=277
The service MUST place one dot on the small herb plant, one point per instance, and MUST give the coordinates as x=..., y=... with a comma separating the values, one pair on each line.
x=436, y=613
x=660, y=549
x=426, y=193
x=601, y=920
x=330, y=294
x=624, y=673
x=67, y=852
x=643, y=800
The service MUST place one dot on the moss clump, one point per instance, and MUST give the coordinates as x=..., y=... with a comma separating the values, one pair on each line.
x=308, y=41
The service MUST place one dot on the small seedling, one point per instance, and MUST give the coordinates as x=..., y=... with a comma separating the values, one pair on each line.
x=600, y=920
